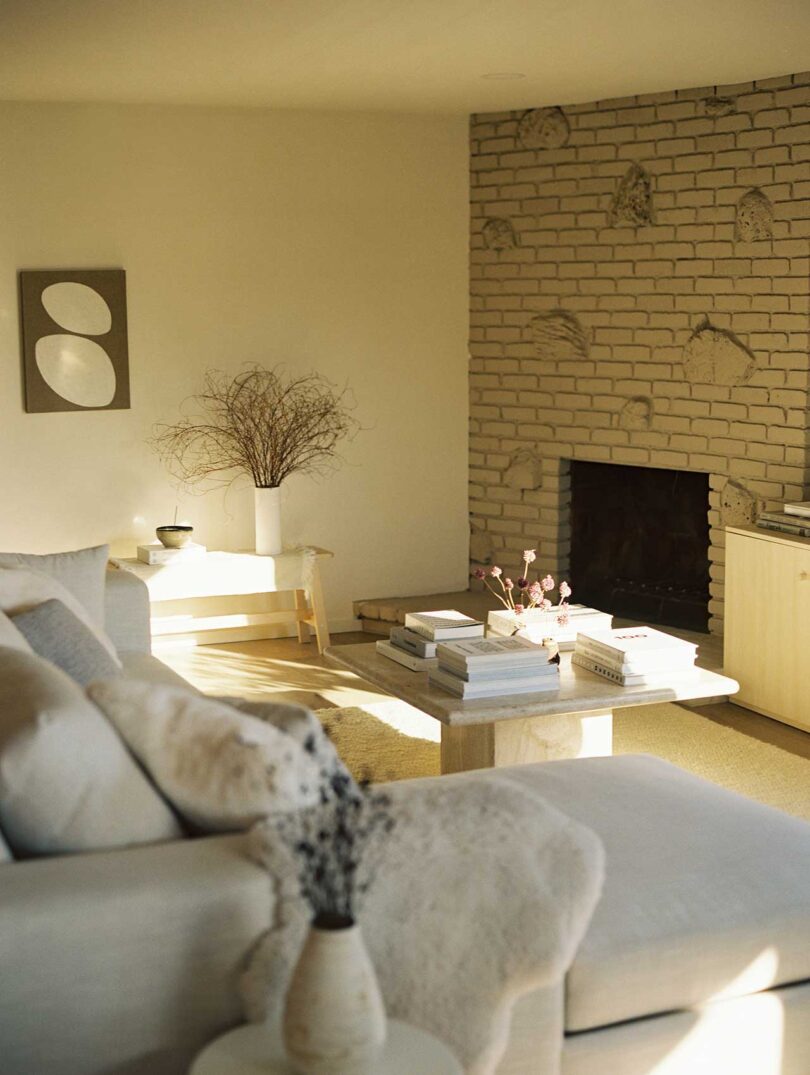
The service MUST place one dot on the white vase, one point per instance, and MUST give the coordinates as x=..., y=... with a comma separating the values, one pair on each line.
x=334, y=1019
x=267, y=503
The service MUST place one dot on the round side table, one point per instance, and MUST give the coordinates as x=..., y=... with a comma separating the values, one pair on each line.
x=255, y=1050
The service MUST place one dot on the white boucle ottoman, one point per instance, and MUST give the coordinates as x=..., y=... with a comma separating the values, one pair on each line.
x=706, y=907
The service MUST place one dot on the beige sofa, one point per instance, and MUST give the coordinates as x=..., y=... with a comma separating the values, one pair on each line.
x=697, y=961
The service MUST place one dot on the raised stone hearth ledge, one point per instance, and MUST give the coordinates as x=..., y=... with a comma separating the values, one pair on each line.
x=651, y=309
x=379, y=614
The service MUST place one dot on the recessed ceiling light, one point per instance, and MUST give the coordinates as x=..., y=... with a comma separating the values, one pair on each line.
x=504, y=76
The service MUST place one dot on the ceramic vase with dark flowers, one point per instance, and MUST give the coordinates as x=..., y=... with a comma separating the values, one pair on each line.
x=334, y=1019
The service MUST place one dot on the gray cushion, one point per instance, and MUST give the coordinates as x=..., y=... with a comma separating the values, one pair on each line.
x=81, y=572
x=22, y=589
x=67, y=782
x=706, y=894
x=61, y=638
x=10, y=635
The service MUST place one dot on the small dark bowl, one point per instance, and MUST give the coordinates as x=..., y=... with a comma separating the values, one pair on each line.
x=174, y=537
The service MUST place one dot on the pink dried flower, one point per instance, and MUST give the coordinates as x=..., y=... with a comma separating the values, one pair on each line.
x=479, y=573
x=547, y=583
x=535, y=591
x=565, y=591
x=495, y=572
x=508, y=584
x=545, y=604
x=562, y=619
x=522, y=584
x=519, y=609
x=530, y=555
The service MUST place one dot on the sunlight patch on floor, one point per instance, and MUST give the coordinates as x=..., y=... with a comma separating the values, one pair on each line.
x=405, y=719
x=219, y=670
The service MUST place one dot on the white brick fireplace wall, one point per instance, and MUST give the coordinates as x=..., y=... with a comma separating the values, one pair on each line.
x=639, y=295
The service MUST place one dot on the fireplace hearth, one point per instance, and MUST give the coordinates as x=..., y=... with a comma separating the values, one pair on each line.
x=640, y=542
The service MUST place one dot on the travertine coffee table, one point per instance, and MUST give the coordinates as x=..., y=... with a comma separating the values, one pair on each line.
x=575, y=721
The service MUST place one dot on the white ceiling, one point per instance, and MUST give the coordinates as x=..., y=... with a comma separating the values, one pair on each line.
x=405, y=55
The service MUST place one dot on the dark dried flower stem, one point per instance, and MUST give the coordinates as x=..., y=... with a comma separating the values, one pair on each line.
x=261, y=422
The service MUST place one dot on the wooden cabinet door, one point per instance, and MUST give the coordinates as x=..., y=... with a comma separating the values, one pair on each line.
x=767, y=625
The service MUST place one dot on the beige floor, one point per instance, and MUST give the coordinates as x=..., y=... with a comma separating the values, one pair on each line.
x=742, y=750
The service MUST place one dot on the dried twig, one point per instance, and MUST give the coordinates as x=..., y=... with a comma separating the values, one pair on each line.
x=334, y=845
x=262, y=422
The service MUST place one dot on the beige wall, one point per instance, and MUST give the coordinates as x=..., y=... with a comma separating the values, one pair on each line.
x=330, y=241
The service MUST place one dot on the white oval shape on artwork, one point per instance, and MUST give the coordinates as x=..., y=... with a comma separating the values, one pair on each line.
x=77, y=308
x=77, y=369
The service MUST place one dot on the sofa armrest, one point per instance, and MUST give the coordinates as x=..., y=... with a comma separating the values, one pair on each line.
x=125, y=961
x=126, y=612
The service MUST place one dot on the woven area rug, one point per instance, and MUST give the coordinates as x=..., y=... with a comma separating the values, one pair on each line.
x=388, y=743
x=384, y=742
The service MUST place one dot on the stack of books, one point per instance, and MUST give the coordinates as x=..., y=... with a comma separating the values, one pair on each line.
x=635, y=656
x=540, y=624
x=493, y=667
x=795, y=519
x=414, y=645
x=155, y=553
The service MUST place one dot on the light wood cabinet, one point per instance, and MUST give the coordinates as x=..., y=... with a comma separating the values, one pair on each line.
x=767, y=622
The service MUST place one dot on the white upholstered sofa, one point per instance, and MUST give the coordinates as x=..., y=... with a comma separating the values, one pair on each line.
x=696, y=962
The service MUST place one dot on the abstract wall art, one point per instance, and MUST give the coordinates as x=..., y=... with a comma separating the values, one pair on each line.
x=74, y=339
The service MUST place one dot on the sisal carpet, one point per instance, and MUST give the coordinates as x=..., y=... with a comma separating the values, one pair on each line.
x=375, y=745
x=385, y=743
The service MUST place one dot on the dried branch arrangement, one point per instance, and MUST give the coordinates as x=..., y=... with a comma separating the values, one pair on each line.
x=333, y=846
x=262, y=422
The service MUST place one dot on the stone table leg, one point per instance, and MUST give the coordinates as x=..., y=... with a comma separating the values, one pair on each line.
x=525, y=740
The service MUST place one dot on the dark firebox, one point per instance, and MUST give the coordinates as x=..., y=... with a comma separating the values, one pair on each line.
x=640, y=543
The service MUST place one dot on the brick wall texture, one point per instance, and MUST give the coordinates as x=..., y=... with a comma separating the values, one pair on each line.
x=639, y=295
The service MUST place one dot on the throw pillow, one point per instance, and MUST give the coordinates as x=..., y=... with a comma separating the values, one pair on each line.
x=61, y=638
x=21, y=590
x=82, y=573
x=221, y=769
x=67, y=782
x=10, y=635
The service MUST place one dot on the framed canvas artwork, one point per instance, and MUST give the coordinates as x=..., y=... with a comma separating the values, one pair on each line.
x=74, y=339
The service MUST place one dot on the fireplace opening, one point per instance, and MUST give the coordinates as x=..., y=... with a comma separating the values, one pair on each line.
x=640, y=543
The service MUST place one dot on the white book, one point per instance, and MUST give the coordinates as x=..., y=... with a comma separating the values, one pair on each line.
x=802, y=509
x=494, y=688
x=513, y=674
x=444, y=624
x=622, y=642
x=155, y=553
x=407, y=660
x=492, y=652
x=409, y=640
x=637, y=664
x=800, y=529
x=648, y=679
